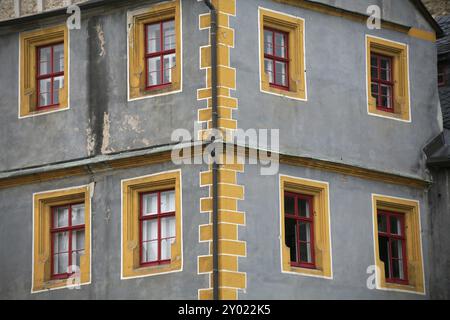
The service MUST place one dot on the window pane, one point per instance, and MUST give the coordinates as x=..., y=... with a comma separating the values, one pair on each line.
x=280, y=45
x=375, y=90
x=58, y=58
x=169, y=64
x=291, y=237
x=385, y=102
x=76, y=259
x=168, y=201
x=77, y=247
x=382, y=223
x=149, y=204
x=268, y=42
x=165, y=249
x=58, y=83
x=149, y=230
x=396, y=227
x=385, y=64
x=289, y=205
x=44, y=92
x=268, y=67
x=168, y=227
x=60, y=263
x=374, y=61
x=280, y=75
x=61, y=242
x=305, y=252
x=385, y=75
x=169, y=35
x=60, y=217
x=305, y=231
x=374, y=71
x=303, y=208
x=396, y=249
x=153, y=38
x=77, y=214
x=44, y=60
x=397, y=269
x=383, y=247
x=154, y=71
x=78, y=240
x=150, y=251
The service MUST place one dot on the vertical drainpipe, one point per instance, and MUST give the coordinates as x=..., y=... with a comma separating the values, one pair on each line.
x=215, y=165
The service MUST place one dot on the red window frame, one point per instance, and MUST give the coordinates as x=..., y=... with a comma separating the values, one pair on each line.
x=274, y=58
x=296, y=216
x=69, y=229
x=160, y=54
x=52, y=75
x=441, y=74
x=158, y=216
x=390, y=236
x=379, y=82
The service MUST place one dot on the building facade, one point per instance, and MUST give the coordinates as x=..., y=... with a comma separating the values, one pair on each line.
x=95, y=207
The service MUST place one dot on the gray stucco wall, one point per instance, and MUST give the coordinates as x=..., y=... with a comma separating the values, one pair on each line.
x=98, y=94
x=16, y=241
x=334, y=124
x=351, y=237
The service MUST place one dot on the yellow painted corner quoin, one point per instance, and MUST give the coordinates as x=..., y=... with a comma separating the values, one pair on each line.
x=130, y=223
x=42, y=203
x=411, y=210
x=322, y=238
x=231, y=249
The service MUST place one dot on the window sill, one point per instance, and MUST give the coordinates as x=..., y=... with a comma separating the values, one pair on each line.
x=387, y=114
x=146, y=271
x=399, y=287
x=44, y=111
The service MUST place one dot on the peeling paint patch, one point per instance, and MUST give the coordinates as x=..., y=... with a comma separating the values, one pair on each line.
x=106, y=135
x=90, y=143
x=133, y=122
x=101, y=38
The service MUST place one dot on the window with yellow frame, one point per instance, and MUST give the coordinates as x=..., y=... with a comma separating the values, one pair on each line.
x=61, y=238
x=388, y=79
x=305, y=239
x=151, y=225
x=282, y=56
x=398, y=244
x=154, y=50
x=44, y=68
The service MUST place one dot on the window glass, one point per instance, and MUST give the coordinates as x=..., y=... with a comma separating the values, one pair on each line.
x=61, y=217
x=150, y=204
x=268, y=42
x=168, y=201
x=153, y=38
x=291, y=237
x=169, y=35
x=289, y=204
x=58, y=58
x=77, y=214
x=45, y=60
